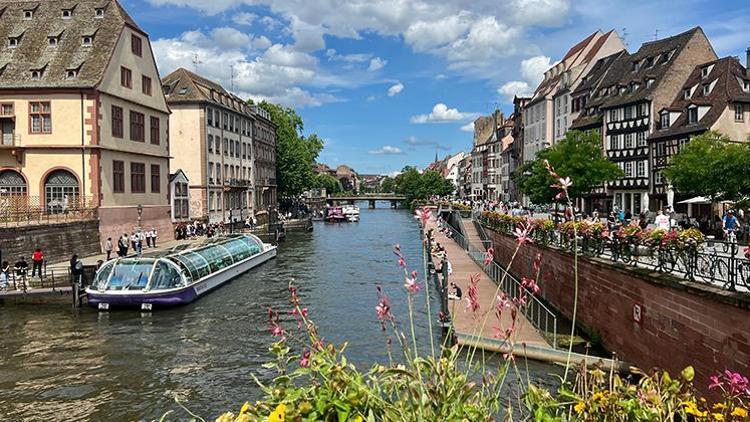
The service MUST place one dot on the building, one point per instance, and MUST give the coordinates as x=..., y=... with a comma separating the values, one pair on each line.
x=505, y=134
x=179, y=196
x=548, y=113
x=84, y=123
x=634, y=91
x=465, y=177
x=716, y=96
x=264, y=161
x=370, y=182
x=453, y=169
x=348, y=177
x=516, y=155
x=211, y=131
x=485, y=156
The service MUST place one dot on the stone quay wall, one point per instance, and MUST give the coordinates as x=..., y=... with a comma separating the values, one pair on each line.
x=649, y=319
x=58, y=241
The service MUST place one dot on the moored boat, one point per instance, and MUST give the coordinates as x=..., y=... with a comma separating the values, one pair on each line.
x=335, y=215
x=175, y=278
x=351, y=212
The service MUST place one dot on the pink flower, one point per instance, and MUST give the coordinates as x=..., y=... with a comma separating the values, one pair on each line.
x=522, y=233
x=304, y=312
x=530, y=285
x=401, y=262
x=537, y=262
x=489, y=256
x=564, y=182
x=423, y=214
x=305, y=361
x=277, y=331
x=472, y=296
x=411, y=284
x=715, y=382
x=383, y=310
x=509, y=357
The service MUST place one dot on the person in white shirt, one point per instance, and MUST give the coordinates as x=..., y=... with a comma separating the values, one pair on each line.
x=153, y=236
x=662, y=221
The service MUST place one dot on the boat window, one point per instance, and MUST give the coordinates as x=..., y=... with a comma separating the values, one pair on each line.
x=195, y=265
x=165, y=276
x=130, y=274
x=252, y=243
x=239, y=249
x=102, y=275
x=218, y=257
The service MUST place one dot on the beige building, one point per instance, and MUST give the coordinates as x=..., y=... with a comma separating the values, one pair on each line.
x=211, y=131
x=264, y=162
x=84, y=123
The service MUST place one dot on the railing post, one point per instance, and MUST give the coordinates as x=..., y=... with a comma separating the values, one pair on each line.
x=733, y=266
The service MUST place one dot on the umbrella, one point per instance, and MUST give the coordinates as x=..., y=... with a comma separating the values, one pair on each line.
x=696, y=200
x=670, y=197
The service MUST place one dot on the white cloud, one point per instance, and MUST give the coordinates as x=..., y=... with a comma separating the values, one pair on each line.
x=230, y=38
x=386, y=150
x=469, y=127
x=244, y=18
x=416, y=142
x=395, y=89
x=376, y=63
x=332, y=55
x=510, y=89
x=532, y=71
x=370, y=98
x=442, y=114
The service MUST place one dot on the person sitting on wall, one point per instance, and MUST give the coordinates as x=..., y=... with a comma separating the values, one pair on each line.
x=455, y=293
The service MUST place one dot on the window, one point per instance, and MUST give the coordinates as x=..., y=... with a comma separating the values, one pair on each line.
x=117, y=122
x=126, y=77
x=6, y=109
x=613, y=115
x=99, y=12
x=658, y=178
x=628, y=169
x=210, y=143
x=231, y=148
x=640, y=138
x=37, y=74
x=705, y=71
x=614, y=142
x=640, y=169
x=67, y=13
x=692, y=115
x=649, y=62
x=155, y=135
x=137, y=123
x=40, y=114
x=629, y=112
x=136, y=45
x=226, y=146
x=687, y=93
x=118, y=176
x=12, y=42
x=71, y=73
x=28, y=14
x=664, y=120
x=634, y=66
x=87, y=41
x=628, y=140
x=649, y=82
x=137, y=178
x=225, y=121
x=52, y=41
x=146, y=84
x=739, y=112
x=746, y=86
x=155, y=178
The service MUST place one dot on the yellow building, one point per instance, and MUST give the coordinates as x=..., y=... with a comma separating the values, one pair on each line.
x=83, y=119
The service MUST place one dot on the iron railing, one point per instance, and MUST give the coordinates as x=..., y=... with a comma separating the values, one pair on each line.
x=535, y=311
x=715, y=263
x=22, y=210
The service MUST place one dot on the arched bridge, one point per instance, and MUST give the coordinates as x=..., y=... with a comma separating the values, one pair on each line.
x=393, y=198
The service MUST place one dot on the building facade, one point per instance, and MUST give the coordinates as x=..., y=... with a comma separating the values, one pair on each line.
x=84, y=123
x=212, y=137
x=264, y=161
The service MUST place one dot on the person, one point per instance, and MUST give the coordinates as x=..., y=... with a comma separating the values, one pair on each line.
x=122, y=245
x=662, y=221
x=133, y=239
x=108, y=248
x=642, y=221
x=22, y=268
x=99, y=264
x=456, y=293
x=76, y=270
x=154, y=235
x=37, y=258
x=138, y=245
x=3, y=282
x=148, y=238
x=729, y=224
x=5, y=269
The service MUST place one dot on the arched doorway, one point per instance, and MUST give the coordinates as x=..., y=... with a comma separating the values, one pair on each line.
x=13, y=192
x=61, y=192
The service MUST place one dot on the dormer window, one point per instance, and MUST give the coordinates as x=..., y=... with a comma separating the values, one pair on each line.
x=649, y=82
x=649, y=62
x=634, y=86
x=99, y=12
x=635, y=66
x=687, y=93
x=664, y=120
x=705, y=71
x=623, y=90
x=87, y=41
x=71, y=73
x=28, y=15
x=37, y=74
x=706, y=89
x=692, y=115
x=67, y=13
x=746, y=86
x=52, y=41
x=13, y=42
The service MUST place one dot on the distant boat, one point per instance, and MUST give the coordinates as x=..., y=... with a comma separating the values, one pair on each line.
x=175, y=278
x=335, y=215
x=351, y=212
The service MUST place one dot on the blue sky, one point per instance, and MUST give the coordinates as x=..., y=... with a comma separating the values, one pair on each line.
x=389, y=83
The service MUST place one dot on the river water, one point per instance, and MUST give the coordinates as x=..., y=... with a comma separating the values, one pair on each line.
x=63, y=364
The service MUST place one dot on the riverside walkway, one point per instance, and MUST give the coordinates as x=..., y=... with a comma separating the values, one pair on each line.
x=468, y=324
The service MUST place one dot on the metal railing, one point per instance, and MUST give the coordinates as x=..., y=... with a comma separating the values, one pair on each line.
x=715, y=263
x=46, y=279
x=22, y=210
x=535, y=311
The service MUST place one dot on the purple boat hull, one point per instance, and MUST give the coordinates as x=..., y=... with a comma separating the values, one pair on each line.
x=166, y=300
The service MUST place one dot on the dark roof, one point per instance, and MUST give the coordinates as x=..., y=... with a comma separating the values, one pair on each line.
x=184, y=86
x=597, y=72
x=653, y=60
x=33, y=51
x=728, y=74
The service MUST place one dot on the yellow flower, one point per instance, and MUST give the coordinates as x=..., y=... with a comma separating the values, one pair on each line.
x=692, y=409
x=719, y=406
x=579, y=407
x=739, y=412
x=597, y=396
x=718, y=417
x=278, y=415
x=245, y=408
x=226, y=417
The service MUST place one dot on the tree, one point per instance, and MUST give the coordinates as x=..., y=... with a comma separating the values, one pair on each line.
x=295, y=153
x=330, y=183
x=388, y=185
x=578, y=156
x=713, y=166
x=415, y=185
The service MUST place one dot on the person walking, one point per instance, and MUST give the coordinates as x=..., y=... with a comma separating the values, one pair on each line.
x=37, y=259
x=138, y=243
x=148, y=238
x=22, y=268
x=122, y=245
x=108, y=248
x=154, y=235
x=76, y=270
x=662, y=221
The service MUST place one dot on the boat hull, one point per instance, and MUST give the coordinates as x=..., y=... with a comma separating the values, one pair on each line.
x=176, y=297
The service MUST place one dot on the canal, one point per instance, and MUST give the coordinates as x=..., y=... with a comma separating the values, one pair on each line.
x=61, y=364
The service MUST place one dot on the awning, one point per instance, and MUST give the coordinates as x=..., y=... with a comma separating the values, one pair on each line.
x=700, y=200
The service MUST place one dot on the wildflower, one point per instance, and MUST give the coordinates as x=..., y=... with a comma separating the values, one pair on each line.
x=737, y=383
x=718, y=416
x=277, y=331
x=509, y=357
x=423, y=215
x=522, y=233
x=245, y=408
x=537, y=262
x=715, y=382
x=278, y=415
x=579, y=407
x=383, y=309
x=564, y=182
x=305, y=361
x=739, y=412
x=411, y=284
x=502, y=303
x=489, y=256
x=293, y=294
x=597, y=396
x=530, y=285
x=472, y=296
x=692, y=409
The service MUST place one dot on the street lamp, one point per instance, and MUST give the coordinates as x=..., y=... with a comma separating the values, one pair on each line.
x=139, y=208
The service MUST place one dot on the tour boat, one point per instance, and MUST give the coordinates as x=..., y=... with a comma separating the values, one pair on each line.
x=175, y=278
x=335, y=215
x=351, y=212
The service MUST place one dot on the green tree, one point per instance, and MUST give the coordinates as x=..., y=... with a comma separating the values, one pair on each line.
x=415, y=185
x=388, y=185
x=578, y=156
x=295, y=153
x=713, y=166
x=330, y=183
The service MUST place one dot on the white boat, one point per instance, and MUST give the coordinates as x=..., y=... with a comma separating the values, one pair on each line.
x=351, y=212
x=177, y=278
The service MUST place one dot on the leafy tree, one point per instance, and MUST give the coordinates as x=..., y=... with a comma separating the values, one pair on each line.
x=578, y=156
x=330, y=183
x=388, y=185
x=713, y=166
x=295, y=153
x=415, y=185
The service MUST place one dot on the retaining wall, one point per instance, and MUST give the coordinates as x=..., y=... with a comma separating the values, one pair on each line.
x=58, y=241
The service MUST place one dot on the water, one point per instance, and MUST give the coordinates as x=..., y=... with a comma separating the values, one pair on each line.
x=61, y=364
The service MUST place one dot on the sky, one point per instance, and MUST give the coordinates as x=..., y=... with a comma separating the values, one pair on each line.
x=390, y=83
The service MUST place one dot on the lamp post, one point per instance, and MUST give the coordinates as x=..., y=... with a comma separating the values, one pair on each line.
x=139, y=208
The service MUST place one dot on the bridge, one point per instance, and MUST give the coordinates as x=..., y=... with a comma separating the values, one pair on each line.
x=370, y=197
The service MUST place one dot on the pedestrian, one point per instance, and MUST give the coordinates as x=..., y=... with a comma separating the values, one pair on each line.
x=108, y=248
x=154, y=235
x=122, y=245
x=456, y=294
x=37, y=258
x=99, y=264
x=5, y=271
x=22, y=268
x=76, y=270
x=148, y=238
x=3, y=282
x=662, y=220
x=133, y=239
x=138, y=243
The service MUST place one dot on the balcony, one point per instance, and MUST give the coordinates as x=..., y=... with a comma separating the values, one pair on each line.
x=10, y=140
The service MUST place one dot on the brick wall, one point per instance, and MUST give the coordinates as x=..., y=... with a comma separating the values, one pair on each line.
x=683, y=323
x=58, y=241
